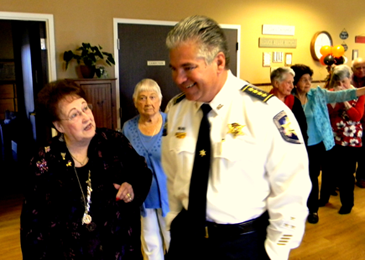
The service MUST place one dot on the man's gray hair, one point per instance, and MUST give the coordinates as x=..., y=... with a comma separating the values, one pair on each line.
x=279, y=74
x=205, y=32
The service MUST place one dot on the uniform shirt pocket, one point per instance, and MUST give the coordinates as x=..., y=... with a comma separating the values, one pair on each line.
x=183, y=145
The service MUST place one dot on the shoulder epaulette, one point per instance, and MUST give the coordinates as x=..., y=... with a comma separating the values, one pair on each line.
x=256, y=92
x=178, y=98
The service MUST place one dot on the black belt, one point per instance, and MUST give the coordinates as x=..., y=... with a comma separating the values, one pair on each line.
x=214, y=230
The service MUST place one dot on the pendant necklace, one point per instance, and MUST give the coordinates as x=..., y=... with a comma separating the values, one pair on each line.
x=81, y=163
x=86, y=219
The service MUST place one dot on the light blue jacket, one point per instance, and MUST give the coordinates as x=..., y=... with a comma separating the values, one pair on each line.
x=153, y=159
x=318, y=98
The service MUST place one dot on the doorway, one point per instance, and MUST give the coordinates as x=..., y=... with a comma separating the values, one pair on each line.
x=142, y=54
x=29, y=52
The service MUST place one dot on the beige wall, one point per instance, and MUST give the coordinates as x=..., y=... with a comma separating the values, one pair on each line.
x=91, y=21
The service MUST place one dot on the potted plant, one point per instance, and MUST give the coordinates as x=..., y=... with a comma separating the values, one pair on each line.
x=86, y=57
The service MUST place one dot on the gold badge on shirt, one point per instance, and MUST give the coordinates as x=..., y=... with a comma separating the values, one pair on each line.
x=181, y=134
x=235, y=129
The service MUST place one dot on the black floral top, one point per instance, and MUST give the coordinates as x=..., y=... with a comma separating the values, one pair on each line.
x=51, y=219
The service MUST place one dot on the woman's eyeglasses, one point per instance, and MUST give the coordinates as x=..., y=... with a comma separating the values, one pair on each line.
x=76, y=114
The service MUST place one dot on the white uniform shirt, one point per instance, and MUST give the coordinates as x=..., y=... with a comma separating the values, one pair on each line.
x=251, y=172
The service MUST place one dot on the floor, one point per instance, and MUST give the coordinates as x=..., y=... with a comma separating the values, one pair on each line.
x=335, y=237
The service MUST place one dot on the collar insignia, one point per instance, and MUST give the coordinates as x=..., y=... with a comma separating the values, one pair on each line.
x=69, y=164
x=219, y=106
x=235, y=129
x=63, y=156
x=47, y=149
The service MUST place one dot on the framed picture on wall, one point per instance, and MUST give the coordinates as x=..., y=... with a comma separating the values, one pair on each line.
x=266, y=59
x=277, y=56
x=288, y=59
x=355, y=54
x=7, y=70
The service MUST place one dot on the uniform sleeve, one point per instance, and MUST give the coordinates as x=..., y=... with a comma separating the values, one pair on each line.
x=34, y=225
x=288, y=176
x=169, y=166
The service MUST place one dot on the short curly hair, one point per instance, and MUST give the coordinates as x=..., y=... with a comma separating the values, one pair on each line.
x=50, y=96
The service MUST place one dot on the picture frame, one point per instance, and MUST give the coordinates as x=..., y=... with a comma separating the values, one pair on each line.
x=288, y=59
x=355, y=54
x=277, y=57
x=266, y=59
x=7, y=70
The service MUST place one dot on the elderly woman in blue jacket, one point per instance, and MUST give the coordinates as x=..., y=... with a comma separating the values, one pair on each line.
x=144, y=132
x=320, y=135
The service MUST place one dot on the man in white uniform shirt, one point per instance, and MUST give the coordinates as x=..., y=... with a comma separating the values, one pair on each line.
x=258, y=181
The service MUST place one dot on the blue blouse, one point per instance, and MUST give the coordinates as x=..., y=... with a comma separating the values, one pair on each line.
x=316, y=107
x=150, y=148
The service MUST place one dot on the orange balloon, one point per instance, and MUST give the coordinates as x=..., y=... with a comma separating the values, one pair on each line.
x=325, y=50
x=321, y=60
x=338, y=51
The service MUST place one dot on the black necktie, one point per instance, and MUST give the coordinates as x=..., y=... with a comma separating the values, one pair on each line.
x=200, y=174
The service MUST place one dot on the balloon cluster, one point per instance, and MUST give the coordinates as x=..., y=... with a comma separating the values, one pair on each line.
x=332, y=55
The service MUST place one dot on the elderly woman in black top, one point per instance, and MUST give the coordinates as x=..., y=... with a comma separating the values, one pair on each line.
x=84, y=188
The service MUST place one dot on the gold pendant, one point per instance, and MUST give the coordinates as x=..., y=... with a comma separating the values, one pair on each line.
x=86, y=219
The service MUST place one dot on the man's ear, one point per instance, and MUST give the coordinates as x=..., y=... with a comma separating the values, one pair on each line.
x=58, y=126
x=221, y=61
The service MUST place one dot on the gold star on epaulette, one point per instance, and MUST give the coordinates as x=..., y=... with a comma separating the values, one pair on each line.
x=202, y=153
x=235, y=129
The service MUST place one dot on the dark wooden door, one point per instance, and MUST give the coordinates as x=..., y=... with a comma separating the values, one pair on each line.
x=143, y=54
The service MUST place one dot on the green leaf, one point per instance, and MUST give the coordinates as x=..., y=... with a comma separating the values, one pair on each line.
x=89, y=55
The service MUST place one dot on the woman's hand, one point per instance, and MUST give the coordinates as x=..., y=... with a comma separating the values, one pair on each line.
x=125, y=192
x=347, y=105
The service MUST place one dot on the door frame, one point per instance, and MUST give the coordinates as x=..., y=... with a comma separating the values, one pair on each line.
x=50, y=40
x=117, y=21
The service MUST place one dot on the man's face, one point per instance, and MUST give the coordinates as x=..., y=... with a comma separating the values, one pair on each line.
x=198, y=80
x=359, y=69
